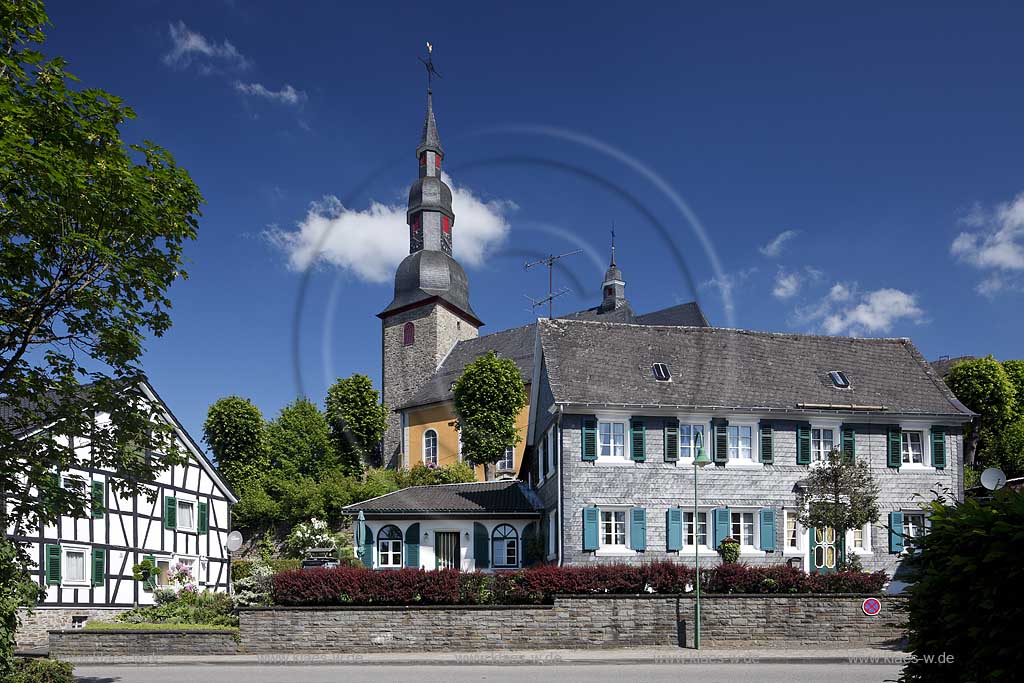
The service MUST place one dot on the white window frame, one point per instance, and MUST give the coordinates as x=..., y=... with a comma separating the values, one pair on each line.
x=926, y=446
x=625, y=458
x=423, y=446
x=866, y=537
x=615, y=548
x=754, y=547
x=157, y=559
x=188, y=500
x=787, y=515
x=925, y=454
x=518, y=547
x=924, y=526
x=192, y=561
x=550, y=436
x=510, y=457
x=704, y=548
x=80, y=483
x=401, y=547
x=64, y=565
x=755, y=458
x=692, y=423
x=837, y=440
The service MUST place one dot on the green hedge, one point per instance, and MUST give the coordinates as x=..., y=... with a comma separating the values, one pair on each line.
x=241, y=568
x=41, y=671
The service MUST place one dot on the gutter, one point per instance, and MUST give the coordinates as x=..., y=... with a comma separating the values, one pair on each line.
x=802, y=408
x=558, y=499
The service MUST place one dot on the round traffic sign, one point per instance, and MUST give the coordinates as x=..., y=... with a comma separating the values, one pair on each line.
x=871, y=607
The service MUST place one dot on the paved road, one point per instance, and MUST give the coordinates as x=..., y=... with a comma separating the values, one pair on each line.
x=580, y=673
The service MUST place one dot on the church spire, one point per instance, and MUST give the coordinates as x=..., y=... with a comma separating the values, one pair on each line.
x=430, y=216
x=613, y=287
x=430, y=140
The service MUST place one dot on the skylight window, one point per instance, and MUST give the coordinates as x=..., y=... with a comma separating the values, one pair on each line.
x=839, y=379
x=661, y=372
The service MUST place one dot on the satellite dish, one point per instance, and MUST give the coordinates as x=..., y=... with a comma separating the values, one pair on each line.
x=993, y=479
x=234, y=541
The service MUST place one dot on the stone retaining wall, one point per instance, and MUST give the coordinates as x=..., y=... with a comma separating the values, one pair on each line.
x=728, y=621
x=78, y=645
x=34, y=627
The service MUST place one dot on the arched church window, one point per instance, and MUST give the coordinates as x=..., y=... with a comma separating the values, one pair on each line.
x=430, y=447
x=409, y=334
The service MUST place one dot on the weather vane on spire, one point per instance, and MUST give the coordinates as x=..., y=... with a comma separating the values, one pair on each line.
x=613, y=243
x=429, y=63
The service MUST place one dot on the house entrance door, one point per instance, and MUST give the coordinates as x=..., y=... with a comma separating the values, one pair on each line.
x=825, y=550
x=446, y=550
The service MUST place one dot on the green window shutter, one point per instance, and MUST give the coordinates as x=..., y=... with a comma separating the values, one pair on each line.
x=720, y=429
x=849, y=444
x=53, y=565
x=674, y=529
x=767, y=443
x=894, y=447
x=98, y=500
x=99, y=566
x=590, y=523
x=368, y=548
x=803, y=444
x=638, y=529
x=589, y=436
x=481, y=546
x=638, y=440
x=671, y=440
x=896, y=532
x=720, y=525
x=766, y=519
x=412, y=546
x=203, y=520
x=939, y=447
x=170, y=512
x=150, y=583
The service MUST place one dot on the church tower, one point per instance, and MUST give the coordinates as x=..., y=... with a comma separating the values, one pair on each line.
x=614, y=287
x=430, y=312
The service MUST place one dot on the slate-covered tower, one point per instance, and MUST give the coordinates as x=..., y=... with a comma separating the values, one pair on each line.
x=430, y=312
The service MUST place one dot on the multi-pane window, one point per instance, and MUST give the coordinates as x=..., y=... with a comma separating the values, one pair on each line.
x=163, y=570
x=613, y=527
x=740, y=443
x=702, y=528
x=822, y=443
x=688, y=440
x=73, y=482
x=858, y=539
x=389, y=547
x=913, y=524
x=792, y=532
x=913, y=448
x=186, y=515
x=505, y=546
x=507, y=461
x=430, y=447
x=743, y=527
x=611, y=439
x=74, y=565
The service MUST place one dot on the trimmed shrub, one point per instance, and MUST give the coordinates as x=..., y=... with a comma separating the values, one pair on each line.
x=360, y=586
x=189, y=608
x=242, y=568
x=42, y=671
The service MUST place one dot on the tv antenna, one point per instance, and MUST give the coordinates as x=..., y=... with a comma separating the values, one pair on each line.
x=549, y=261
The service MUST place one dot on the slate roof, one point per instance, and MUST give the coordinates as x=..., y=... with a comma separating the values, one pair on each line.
x=717, y=368
x=517, y=343
x=505, y=497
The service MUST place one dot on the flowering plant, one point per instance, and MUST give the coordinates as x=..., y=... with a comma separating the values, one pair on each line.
x=180, y=574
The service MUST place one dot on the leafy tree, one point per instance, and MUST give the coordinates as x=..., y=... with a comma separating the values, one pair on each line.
x=983, y=385
x=839, y=494
x=488, y=399
x=234, y=431
x=357, y=421
x=17, y=589
x=92, y=233
x=1015, y=371
x=1010, y=456
x=300, y=441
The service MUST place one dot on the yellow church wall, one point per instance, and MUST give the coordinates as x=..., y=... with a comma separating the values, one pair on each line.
x=441, y=418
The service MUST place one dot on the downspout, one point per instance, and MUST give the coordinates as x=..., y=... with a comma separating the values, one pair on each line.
x=561, y=465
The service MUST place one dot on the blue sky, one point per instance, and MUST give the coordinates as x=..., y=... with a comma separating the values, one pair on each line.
x=854, y=171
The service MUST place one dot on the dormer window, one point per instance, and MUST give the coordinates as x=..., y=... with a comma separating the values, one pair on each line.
x=661, y=372
x=839, y=379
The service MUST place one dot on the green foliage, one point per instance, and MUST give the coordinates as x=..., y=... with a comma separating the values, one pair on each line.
x=1009, y=450
x=234, y=431
x=255, y=588
x=985, y=386
x=144, y=571
x=839, y=495
x=300, y=441
x=308, y=535
x=42, y=671
x=729, y=550
x=1015, y=371
x=17, y=590
x=488, y=399
x=241, y=569
x=357, y=421
x=190, y=608
x=965, y=601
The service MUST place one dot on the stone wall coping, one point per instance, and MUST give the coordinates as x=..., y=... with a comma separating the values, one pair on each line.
x=388, y=608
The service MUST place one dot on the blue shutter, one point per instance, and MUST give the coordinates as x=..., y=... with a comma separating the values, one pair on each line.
x=412, y=546
x=481, y=546
x=939, y=447
x=367, y=546
x=588, y=435
x=721, y=520
x=674, y=529
x=767, y=530
x=638, y=529
x=896, y=532
x=720, y=440
x=590, y=520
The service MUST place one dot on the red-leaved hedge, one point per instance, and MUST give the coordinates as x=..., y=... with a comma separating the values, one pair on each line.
x=359, y=586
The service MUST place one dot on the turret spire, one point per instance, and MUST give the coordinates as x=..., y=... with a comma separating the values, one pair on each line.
x=613, y=287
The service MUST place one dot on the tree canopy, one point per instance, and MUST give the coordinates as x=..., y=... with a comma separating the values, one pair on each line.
x=357, y=421
x=235, y=432
x=300, y=441
x=489, y=395
x=985, y=387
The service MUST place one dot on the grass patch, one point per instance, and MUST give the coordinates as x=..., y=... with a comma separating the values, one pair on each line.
x=117, y=626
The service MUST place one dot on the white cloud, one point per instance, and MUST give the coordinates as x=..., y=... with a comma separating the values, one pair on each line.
x=995, y=244
x=727, y=283
x=844, y=310
x=188, y=47
x=787, y=284
x=774, y=248
x=286, y=95
x=371, y=243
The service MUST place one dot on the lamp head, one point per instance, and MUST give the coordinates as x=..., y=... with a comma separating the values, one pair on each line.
x=701, y=459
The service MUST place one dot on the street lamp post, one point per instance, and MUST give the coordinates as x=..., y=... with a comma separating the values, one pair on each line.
x=700, y=460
